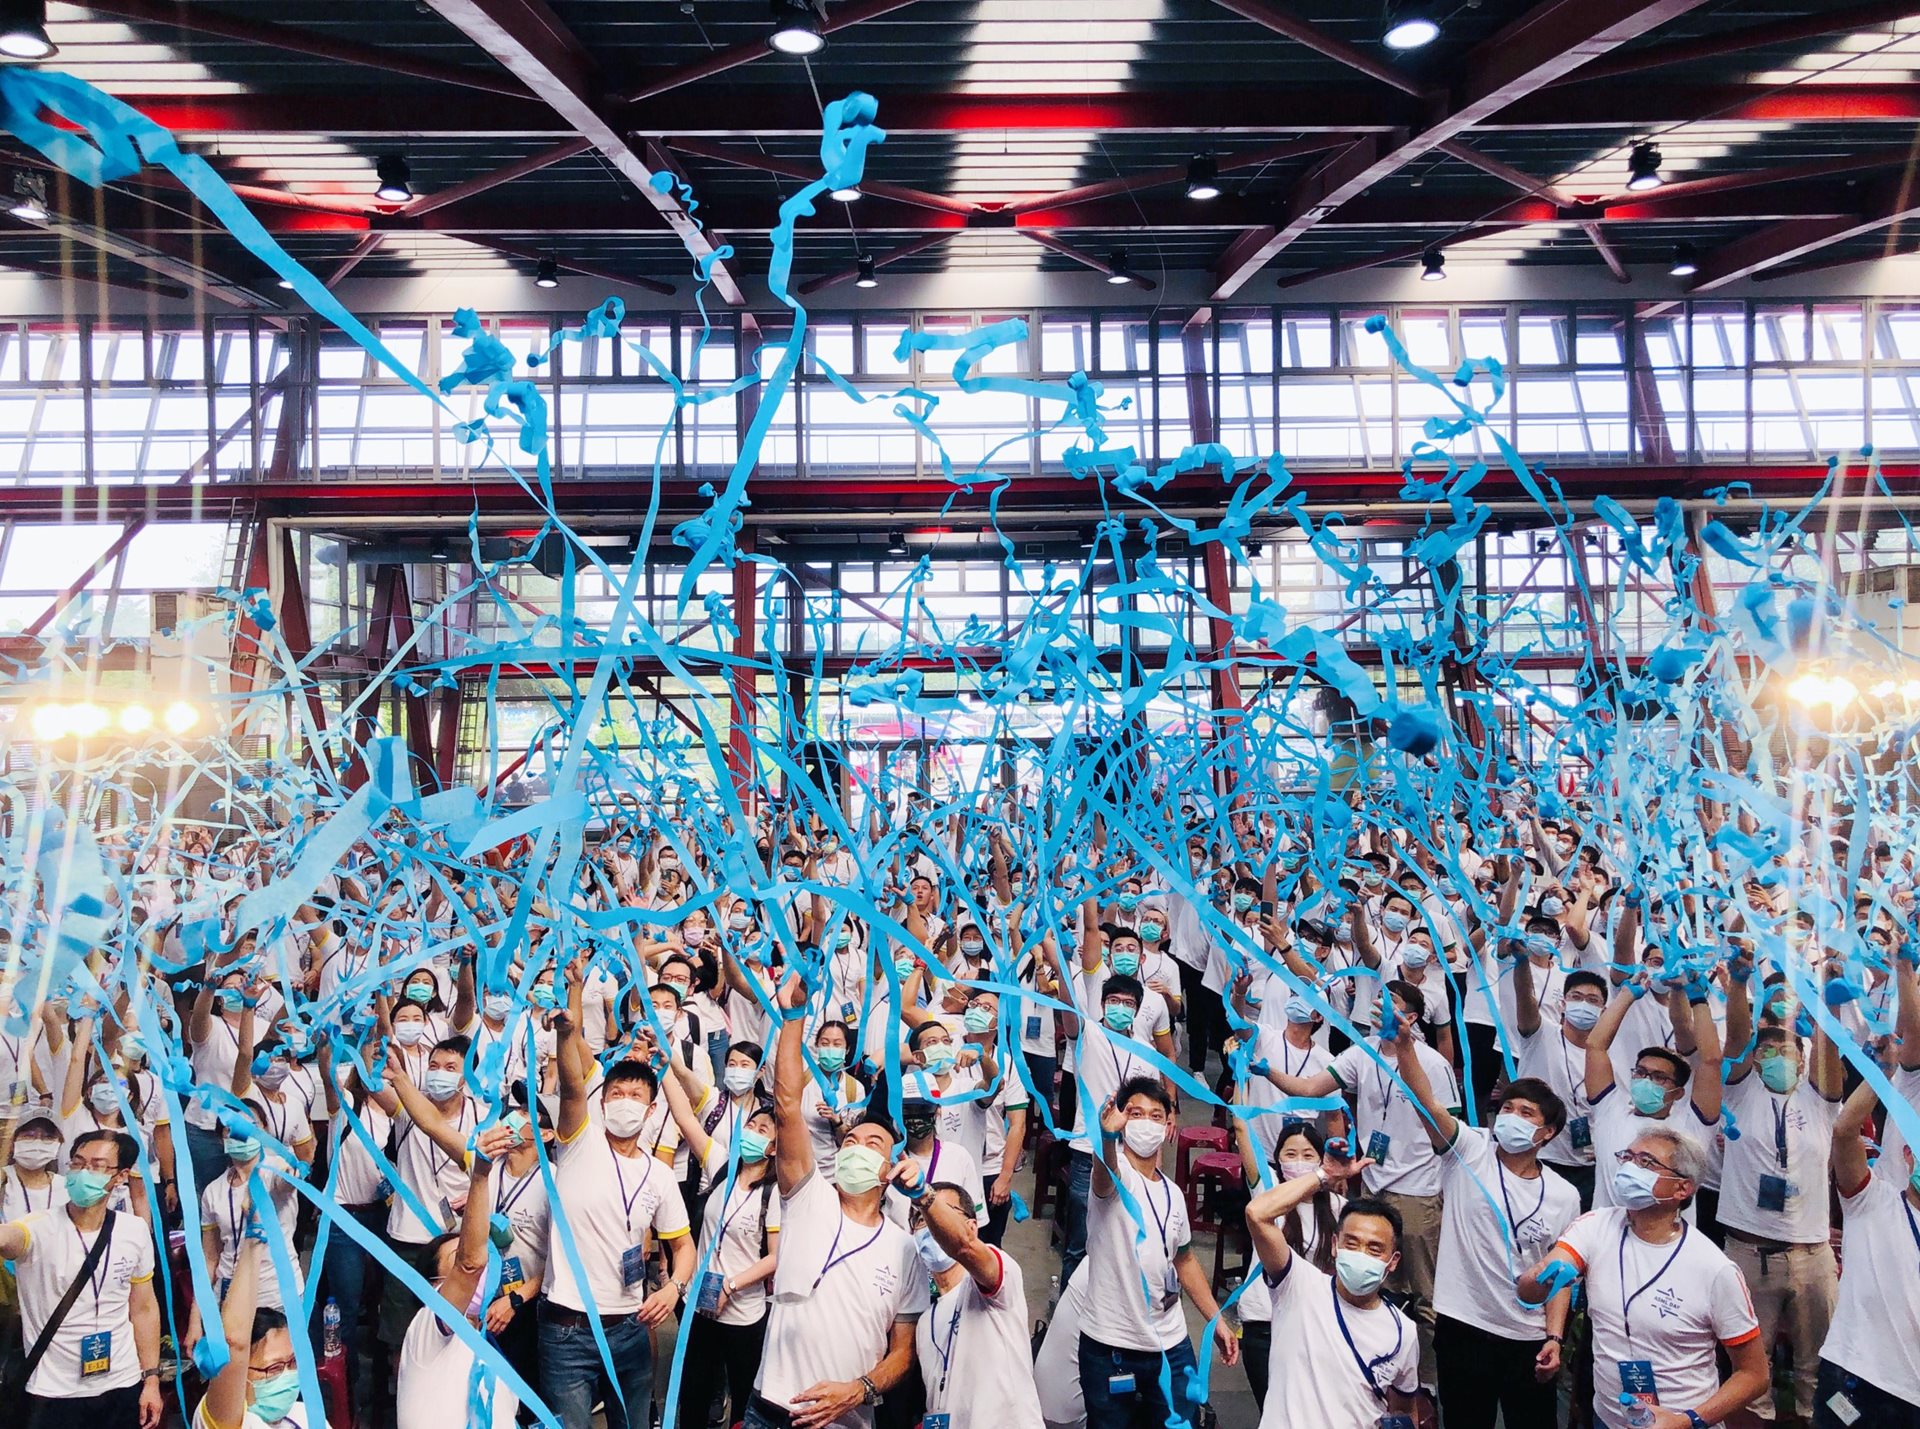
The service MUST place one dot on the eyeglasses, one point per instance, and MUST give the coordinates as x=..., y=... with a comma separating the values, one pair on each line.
x=1664, y=1079
x=268, y=1371
x=1643, y=1161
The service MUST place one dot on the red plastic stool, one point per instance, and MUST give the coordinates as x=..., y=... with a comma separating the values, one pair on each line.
x=1216, y=1171
x=1190, y=1139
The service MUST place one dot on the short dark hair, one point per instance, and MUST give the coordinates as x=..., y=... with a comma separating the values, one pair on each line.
x=1368, y=1206
x=1585, y=977
x=459, y=1044
x=265, y=1321
x=1123, y=985
x=1111, y=931
x=918, y=1034
x=752, y=1051
x=874, y=1116
x=629, y=1069
x=960, y=1194
x=1681, y=1070
x=1148, y=1087
x=126, y=1149
x=1553, y=1111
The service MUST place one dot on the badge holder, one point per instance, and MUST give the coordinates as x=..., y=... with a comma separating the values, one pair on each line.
x=1636, y=1381
x=1580, y=1133
x=96, y=1353
x=1378, y=1146
x=1775, y=1192
x=711, y=1285
x=633, y=1266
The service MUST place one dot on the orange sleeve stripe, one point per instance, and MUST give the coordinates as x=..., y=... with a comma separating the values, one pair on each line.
x=1562, y=1248
x=1740, y=1340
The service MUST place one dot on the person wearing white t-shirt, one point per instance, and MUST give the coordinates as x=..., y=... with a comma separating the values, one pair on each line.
x=942, y=1159
x=1773, y=1182
x=101, y=1369
x=1308, y=1228
x=973, y=1342
x=845, y=1293
x=1140, y=1262
x=1554, y=1050
x=1343, y=1358
x=259, y=1386
x=1104, y=1057
x=1501, y=1210
x=1661, y=1297
x=1870, y=1363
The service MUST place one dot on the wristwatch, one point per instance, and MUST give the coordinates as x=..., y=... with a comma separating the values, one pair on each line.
x=517, y=1300
x=1694, y=1421
x=872, y=1395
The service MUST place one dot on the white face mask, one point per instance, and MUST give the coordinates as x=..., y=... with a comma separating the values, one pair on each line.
x=1145, y=1137
x=625, y=1117
x=35, y=1155
x=738, y=1080
x=409, y=1034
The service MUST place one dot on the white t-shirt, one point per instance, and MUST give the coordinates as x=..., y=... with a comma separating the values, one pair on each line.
x=438, y=1180
x=1133, y=1296
x=1314, y=1380
x=948, y=1161
x=611, y=1202
x=837, y=1291
x=1616, y=1125
x=357, y=1177
x=1256, y=1301
x=1011, y=1096
x=1409, y=1166
x=18, y=1200
x=50, y=1263
x=1494, y=1227
x=213, y=1062
x=1781, y=1160
x=956, y=1120
x=1103, y=1059
x=1272, y=1048
x=1550, y=1057
x=1875, y=1332
x=1687, y=1298
x=975, y=1355
x=822, y=1116
x=435, y=1380
x=223, y=1206
x=730, y=1244
x=523, y=1201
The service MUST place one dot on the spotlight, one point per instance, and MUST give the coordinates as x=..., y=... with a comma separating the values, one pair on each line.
x=180, y=717
x=1433, y=266
x=28, y=201
x=50, y=723
x=23, y=30
x=284, y=283
x=1643, y=168
x=796, y=28
x=396, y=179
x=1884, y=690
x=846, y=195
x=135, y=719
x=896, y=543
x=1117, y=267
x=1410, y=26
x=549, y=274
x=86, y=720
x=868, y=277
x=1203, y=177
x=1685, y=265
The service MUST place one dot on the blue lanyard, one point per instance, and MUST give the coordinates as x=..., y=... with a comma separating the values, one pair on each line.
x=833, y=1260
x=1541, y=1201
x=626, y=1201
x=953, y=1330
x=1367, y=1366
x=752, y=1189
x=1626, y=1300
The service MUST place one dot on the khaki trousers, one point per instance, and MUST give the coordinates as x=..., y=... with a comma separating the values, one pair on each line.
x=1795, y=1287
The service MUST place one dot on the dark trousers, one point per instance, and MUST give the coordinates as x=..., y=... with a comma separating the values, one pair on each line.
x=350, y=1278
x=719, y=1357
x=1041, y=1071
x=1877, y=1409
x=1706, y=1210
x=1483, y=1376
x=1256, y=1351
x=520, y=1343
x=1483, y=1045
x=115, y=1409
x=1206, y=1017
x=995, y=1230
x=1145, y=1405
x=1079, y=1187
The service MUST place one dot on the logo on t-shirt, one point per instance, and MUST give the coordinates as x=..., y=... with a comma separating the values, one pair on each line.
x=884, y=1279
x=1667, y=1302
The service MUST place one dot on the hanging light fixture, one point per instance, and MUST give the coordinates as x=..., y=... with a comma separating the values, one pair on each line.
x=1203, y=177
x=28, y=198
x=1117, y=267
x=796, y=28
x=1433, y=266
x=1685, y=265
x=23, y=30
x=896, y=543
x=1643, y=168
x=1410, y=26
x=846, y=195
x=396, y=179
x=549, y=274
x=868, y=275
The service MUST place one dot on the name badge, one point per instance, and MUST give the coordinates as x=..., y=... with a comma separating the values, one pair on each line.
x=446, y=1214
x=1172, y=1283
x=511, y=1275
x=1844, y=1409
x=710, y=1288
x=633, y=1266
x=1636, y=1381
x=383, y=1191
x=848, y=1012
x=937, y=1421
x=1378, y=1146
x=1580, y=1133
x=1119, y=1384
x=1394, y=1421
x=1033, y=1028
x=96, y=1353
x=1775, y=1192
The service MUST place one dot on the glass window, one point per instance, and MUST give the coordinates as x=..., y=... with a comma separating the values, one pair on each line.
x=43, y=557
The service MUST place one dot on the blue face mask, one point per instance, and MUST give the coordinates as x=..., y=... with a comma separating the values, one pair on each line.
x=831, y=1059
x=1542, y=945
x=273, y=1399
x=1118, y=1016
x=419, y=992
x=87, y=1188
x=753, y=1147
x=1581, y=1016
x=1634, y=1187
x=497, y=1006
x=1513, y=1133
x=904, y=967
x=441, y=1084
x=1242, y=902
x=1129, y=901
x=978, y=1019
x=938, y=1057
x=1649, y=1097
x=1127, y=963
x=242, y=1148
x=1553, y=905
x=1299, y=1010
x=1151, y=931
x=1779, y=1073
x=1395, y=923
x=543, y=997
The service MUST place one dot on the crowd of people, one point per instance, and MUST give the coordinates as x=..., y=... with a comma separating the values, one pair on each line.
x=733, y=1123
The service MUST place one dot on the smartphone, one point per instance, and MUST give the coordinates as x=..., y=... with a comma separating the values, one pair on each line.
x=1266, y=907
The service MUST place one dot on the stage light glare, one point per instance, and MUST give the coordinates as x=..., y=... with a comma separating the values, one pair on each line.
x=180, y=717
x=1808, y=690
x=1885, y=689
x=135, y=719
x=50, y=723
x=87, y=720
x=1910, y=690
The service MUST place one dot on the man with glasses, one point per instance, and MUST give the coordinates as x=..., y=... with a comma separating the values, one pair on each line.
x=1662, y=1297
x=101, y=1369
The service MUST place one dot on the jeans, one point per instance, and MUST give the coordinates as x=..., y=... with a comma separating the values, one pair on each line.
x=1877, y=1409
x=1079, y=1187
x=572, y=1376
x=207, y=1150
x=1145, y=1406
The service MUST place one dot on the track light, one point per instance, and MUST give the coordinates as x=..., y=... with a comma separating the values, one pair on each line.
x=1203, y=177
x=23, y=30
x=846, y=195
x=896, y=543
x=1410, y=26
x=28, y=198
x=1685, y=265
x=1433, y=266
x=549, y=274
x=396, y=179
x=796, y=28
x=868, y=277
x=1117, y=267
x=1643, y=169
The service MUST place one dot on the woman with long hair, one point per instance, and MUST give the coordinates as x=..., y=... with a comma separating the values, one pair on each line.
x=1309, y=1229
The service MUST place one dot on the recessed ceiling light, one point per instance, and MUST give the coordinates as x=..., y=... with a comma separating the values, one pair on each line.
x=1643, y=169
x=1410, y=27
x=23, y=30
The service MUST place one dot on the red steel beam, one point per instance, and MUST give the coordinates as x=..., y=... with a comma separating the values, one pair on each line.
x=1823, y=22
x=839, y=17
x=585, y=270
x=494, y=178
x=1606, y=252
x=1084, y=258
x=1761, y=178
x=766, y=164
x=1505, y=172
x=1302, y=32
x=1885, y=206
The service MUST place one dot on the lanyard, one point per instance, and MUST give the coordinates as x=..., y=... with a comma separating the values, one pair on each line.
x=434, y=1168
x=1367, y=1366
x=99, y=1277
x=1161, y=1221
x=503, y=1201
x=953, y=1330
x=1286, y=1061
x=1626, y=1300
x=627, y=1202
x=752, y=1189
x=1780, y=1129
x=1905, y=1205
x=1540, y=1201
x=833, y=1260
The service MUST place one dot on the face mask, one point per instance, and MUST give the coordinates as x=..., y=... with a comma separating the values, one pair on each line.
x=1634, y=1186
x=918, y=1127
x=87, y=1188
x=497, y=1007
x=1373, y=878
x=1242, y=902
x=753, y=1147
x=419, y=993
x=1129, y=901
x=232, y=999
x=1118, y=1016
x=273, y=1399
x=1649, y=1097
x=242, y=1148
x=1359, y=1272
x=831, y=1059
x=978, y=1019
x=543, y=997
x=441, y=1084
x=1151, y=931
x=856, y=1169
x=1127, y=963
x=1145, y=1137
x=1542, y=945
x=1417, y=956
x=1779, y=1073
x=938, y=1056
x=972, y=947
x=1294, y=1170
x=739, y=922
x=1553, y=906
x=904, y=967
x=1514, y=1133
x=1395, y=923
x=624, y=1117
x=102, y=1099
x=35, y=1155
x=517, y=1124
x=1581, y=1016
x=737, y=1080
x=931, y=1256
x=694, y=937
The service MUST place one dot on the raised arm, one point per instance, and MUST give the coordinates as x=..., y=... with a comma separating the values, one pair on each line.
x=1850, y=1169
x=1706, y=1069
x=570, y=1053
x=441, y=1132
x=1438, y=1122
x=226, y=1402
x=470, y=1255
x=793, y=1142
x=1600, y=1040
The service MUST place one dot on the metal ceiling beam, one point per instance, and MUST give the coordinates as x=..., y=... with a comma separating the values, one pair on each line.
x=494, y=178
x=794, y=169
x=1759, y=178
x=71, y=273
x=1549, y=41
x=880, y=260
x=1283, y=22
x=839, y=17
x=1397, y=255
x=538, y=49
x=585, y=270
x=1503, y=171
x=198, y=19
x=1177, y=173
x=1752, y=37
x=1085, y=259
x=1606, y=252
x=1886, y=205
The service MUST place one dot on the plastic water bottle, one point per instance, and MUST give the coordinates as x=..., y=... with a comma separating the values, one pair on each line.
x=1639, y=1414
x=1053, y=1294
x=330, y=1328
